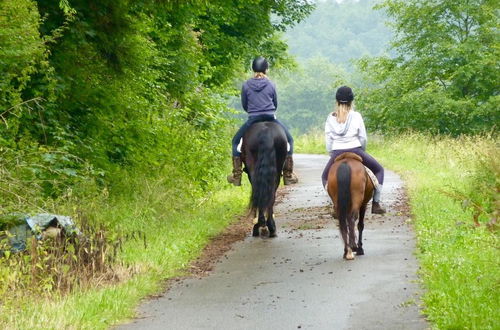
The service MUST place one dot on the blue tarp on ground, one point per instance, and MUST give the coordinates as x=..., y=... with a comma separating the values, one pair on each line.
x=24, y=226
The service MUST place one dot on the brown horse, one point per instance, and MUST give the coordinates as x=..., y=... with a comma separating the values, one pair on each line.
x=350, y=189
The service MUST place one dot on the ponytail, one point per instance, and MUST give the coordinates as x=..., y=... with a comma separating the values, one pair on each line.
x=342, y=111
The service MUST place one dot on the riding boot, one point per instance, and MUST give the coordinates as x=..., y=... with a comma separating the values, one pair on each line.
x=376, y=208
x=235, y=178
x=288, y=176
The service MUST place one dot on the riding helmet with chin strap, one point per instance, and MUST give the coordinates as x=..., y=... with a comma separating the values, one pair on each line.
x=260, y=64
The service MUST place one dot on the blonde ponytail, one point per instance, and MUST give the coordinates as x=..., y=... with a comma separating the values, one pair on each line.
x=259, y=75
x=342, y=111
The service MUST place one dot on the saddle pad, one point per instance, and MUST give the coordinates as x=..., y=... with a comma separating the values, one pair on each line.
x=241, y=143
x=372, y=177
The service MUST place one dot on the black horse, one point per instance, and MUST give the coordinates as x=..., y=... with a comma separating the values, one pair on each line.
x=264, y=151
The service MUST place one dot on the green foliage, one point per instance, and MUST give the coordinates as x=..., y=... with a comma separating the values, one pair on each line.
x=306, y=95
x=32, y=176
x=444, y=78
x=325, y=45
x=121, y=84
x=22, y=56
x=312, y=142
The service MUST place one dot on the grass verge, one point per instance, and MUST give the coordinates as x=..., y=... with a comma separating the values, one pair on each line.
x=453, y=187
x=176, y=230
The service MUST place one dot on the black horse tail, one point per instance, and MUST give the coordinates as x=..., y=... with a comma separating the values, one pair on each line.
x=264, y=183
x=344, y=192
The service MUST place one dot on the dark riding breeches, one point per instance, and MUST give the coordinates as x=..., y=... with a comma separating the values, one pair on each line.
x=368, y=161
x=254, y=119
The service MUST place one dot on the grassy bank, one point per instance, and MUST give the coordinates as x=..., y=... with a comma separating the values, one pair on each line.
x=453, y=186
x=176, y=227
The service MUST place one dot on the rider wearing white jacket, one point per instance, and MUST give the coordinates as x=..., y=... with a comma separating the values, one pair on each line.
x=345, y=132
x=351, y=134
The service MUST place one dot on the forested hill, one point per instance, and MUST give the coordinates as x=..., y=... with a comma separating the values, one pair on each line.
x=340, y=32
x=327, y=45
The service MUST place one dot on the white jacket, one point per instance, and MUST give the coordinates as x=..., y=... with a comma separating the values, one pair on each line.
x=348, y=135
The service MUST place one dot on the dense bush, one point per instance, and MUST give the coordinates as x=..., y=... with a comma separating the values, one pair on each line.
x=89, y=89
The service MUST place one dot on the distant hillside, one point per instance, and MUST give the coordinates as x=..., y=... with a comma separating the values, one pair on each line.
x=324, y=44
x=340, y=32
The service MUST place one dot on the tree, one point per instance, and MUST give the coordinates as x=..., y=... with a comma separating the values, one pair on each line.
x=126, y=84
x=445, y=76
x=307, y=95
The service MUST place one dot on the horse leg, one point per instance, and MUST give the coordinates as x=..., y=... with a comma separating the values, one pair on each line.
x=344, y=232
x=261, y=223
x=350, y=243
x=361, y=226
x=256, y=226
x=271, y=225
x=352, y=232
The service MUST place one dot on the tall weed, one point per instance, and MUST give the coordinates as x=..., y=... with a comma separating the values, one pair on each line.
x=60, y=264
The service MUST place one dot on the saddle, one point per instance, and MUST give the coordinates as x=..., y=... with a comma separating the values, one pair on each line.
x=352, y=155
x=348, y=155
x=240, y=144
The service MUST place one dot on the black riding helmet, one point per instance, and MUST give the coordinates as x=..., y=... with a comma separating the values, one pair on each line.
x=260, y=64
x=344, y=94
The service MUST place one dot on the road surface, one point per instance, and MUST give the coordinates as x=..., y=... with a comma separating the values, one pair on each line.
x=299, y=279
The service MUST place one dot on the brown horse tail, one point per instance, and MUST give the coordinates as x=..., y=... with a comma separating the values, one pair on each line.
x=344, y=193
x=264, y=183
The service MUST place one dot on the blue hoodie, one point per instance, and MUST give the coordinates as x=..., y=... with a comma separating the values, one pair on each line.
x=258, y=97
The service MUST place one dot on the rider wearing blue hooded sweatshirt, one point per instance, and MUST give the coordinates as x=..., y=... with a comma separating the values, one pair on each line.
x=259, y=100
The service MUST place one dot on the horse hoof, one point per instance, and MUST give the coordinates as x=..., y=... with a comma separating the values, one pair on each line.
x=349, y=255
x=360, y=252
x=264, y=231
x=272, y=234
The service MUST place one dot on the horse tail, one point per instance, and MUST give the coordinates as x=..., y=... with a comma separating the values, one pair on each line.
x=344, y=192
x=264, y=181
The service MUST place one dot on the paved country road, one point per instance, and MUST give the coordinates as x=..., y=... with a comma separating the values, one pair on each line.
x=299, y=279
